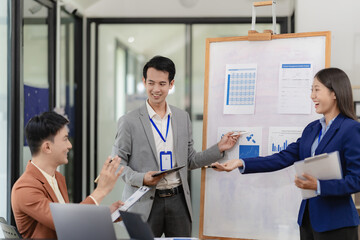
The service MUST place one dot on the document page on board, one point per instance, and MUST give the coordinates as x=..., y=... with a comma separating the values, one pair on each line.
x=295, y=81
x=248, y=145
x=240, y=88
x=281, y=137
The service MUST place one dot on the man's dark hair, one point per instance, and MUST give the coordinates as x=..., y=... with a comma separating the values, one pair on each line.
x=43, y=127
x=162, y=64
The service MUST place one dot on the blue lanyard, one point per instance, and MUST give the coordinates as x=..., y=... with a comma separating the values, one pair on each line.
x=167, y=128
x=319, y=135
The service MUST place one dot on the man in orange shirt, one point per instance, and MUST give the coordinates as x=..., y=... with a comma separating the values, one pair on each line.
x=40, y=184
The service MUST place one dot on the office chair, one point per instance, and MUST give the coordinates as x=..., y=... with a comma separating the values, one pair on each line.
x=9, y=231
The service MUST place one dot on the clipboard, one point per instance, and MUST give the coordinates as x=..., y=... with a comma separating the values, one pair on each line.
x=168, y=171
x=325, y=166
x=129, y=202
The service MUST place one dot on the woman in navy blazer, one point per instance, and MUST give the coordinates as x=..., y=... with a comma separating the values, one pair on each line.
x=332, y=213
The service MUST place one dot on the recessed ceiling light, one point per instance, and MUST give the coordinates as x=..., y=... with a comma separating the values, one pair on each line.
x=131, y=39
x=188, y=3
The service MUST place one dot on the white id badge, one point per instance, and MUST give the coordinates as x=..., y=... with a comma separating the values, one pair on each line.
x=165, y=160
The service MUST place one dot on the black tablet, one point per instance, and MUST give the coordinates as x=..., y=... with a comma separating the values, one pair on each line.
x=168, y=171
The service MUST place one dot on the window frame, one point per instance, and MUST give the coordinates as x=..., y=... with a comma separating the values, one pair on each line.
x=16, y=86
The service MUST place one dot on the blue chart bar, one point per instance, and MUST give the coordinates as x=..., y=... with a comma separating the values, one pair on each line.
x=279, y=148
x=228, y=87
x=240, y=87
x=296, y=65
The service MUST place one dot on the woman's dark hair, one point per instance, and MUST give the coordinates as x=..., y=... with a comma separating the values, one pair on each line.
x=43, y=127
x=338, y=82
x=162, y=64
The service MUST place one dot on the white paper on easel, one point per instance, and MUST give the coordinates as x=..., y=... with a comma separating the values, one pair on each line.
x=326, y=166
x=130, y=201
x=295, y=81
x=240, y=88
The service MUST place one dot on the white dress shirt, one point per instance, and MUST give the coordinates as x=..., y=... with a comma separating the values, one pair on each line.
x=173, y=179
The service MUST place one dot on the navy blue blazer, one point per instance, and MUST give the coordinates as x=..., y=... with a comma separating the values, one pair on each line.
x=334, y=207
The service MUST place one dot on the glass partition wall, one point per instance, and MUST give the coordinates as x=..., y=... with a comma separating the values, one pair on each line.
x=66, y=101
x=123, y=50
x=30, y=75
x=40, y=91
x=29, y=61
x=35, y=65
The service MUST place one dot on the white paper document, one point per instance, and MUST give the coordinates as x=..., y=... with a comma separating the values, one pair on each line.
x=240, y=88
x=281, y=137
x=295, y=81
x=248, y=145
x=325, y=166
x=130, y=201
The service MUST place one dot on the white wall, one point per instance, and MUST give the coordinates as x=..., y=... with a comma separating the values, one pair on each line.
x=342, y=19
x=180, y=8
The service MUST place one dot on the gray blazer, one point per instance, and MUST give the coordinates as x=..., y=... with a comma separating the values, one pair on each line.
x=135, y=145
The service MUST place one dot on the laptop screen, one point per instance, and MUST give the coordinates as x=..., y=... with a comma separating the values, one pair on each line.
x=82, y=221
x=136, y=227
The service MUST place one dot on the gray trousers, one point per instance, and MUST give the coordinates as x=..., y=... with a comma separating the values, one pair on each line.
x=170, y=215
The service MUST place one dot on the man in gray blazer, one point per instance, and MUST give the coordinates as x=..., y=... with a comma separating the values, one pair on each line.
x=156, y=137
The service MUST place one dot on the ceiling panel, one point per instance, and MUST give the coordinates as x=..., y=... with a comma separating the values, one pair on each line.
x=178, y=8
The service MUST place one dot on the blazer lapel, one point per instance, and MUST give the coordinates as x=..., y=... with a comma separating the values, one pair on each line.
x=39, y=176
x=62, y=187
x=50, y=191
x=310, y=139
x=144, y=119
x=329, y=134
x=174, y=126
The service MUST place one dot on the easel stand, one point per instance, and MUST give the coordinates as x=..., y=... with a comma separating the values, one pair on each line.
x=253, y=35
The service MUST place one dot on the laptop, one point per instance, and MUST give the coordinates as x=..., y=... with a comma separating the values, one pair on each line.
x=136, y=227
x=82, y=221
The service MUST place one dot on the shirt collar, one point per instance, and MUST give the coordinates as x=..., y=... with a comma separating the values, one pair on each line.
x=46, y=175
x=323, y=123
x=152, y=113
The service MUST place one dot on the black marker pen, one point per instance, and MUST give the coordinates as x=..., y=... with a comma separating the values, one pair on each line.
x=209, y=166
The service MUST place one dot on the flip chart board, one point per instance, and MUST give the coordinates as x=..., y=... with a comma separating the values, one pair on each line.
x=256, y=86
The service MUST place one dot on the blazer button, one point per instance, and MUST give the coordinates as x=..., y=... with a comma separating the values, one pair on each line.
x=152, y=198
